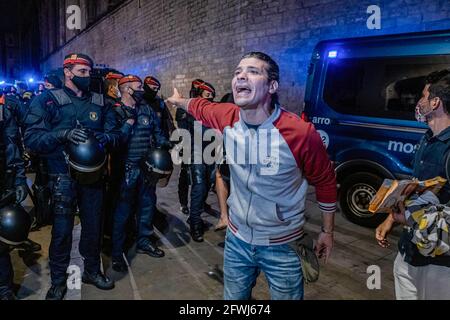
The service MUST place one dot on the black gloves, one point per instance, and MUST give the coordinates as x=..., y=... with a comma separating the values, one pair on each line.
x=103, y=138
x=131, y=113
x=167, y=145
x=75, y=136
x=21, y=193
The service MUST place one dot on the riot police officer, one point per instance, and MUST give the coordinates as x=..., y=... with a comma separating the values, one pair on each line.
x=140, y=133
x=151, y=89
x=112, y=96
x=199, y=173
x=24, y=95
x=18, y=109
x=111, y=87
x=54, y=79
x=59, y=119
x=12, y=170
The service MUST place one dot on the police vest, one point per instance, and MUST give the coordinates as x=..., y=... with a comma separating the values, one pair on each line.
x=141, y=139
x=91, y=116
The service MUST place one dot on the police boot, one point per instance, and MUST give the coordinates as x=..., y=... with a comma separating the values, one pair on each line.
x=7, y=296
x=197, y=232
x=56, y=292
x=151, y=249
x=185, y=210
x=99, y=280
x=30, y=246
x=119, y=264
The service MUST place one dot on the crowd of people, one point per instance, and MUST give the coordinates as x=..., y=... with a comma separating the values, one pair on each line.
x=262, y=203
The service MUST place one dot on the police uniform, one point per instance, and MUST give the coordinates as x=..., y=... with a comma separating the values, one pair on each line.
x=50, y=113
x=184, y=121
x=200, y=174
x=135, y=191
x=114, y=175
x=10, y=158
x=158, y=105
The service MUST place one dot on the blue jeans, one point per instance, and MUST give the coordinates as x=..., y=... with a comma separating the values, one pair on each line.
x=135, y=194
x=243, y=263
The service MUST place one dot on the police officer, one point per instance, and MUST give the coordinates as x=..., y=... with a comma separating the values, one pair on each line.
x=151, y=89
x=111, y=87
x=112, y=97
x=140, y=133
x=24, y=95
x=12, y=166
x=54, y=79
x=18, y=111
x=185, y=121
x=59, y=119
x=200, y=173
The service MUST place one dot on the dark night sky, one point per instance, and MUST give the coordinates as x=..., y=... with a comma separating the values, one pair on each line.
x=10, y=14
x=19, y=19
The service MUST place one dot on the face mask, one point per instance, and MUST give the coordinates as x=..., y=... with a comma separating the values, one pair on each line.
x=149, y=93
x=82, y=83
x=114, y=92
x=138, y=96
x=422, y=117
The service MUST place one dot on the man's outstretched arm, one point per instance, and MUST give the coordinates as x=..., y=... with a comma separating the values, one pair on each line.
x=211, y=114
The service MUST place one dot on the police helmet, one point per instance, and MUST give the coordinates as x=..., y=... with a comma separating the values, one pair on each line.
x=86, y=160
x=15, y=224
x=158, y=167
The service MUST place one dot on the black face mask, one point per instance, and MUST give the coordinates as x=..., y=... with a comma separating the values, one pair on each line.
x=138, y=96
x=82, y=83
x=149, y=93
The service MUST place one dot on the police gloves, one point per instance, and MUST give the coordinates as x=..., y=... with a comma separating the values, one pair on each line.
x=131, y=113
x=21, y=193
x=103, y=138
x=75, y=136
x=167, y=145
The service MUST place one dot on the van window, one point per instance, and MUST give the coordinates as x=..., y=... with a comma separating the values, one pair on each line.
x=387, y=87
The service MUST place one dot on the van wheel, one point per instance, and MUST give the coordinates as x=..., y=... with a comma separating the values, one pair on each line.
x=357, y=190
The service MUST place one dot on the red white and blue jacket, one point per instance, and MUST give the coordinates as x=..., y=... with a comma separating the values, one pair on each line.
x=270, y=171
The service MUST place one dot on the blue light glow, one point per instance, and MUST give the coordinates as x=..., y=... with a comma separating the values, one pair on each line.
x=332, y=54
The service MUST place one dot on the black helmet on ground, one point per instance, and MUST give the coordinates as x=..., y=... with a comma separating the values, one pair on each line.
x=86, y=160
x=157, y=167
x=15, y=224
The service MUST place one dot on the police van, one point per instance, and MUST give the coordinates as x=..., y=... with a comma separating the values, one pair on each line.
x=361, y=95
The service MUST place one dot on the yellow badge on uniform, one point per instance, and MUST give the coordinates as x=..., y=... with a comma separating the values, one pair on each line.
x=93, y=116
